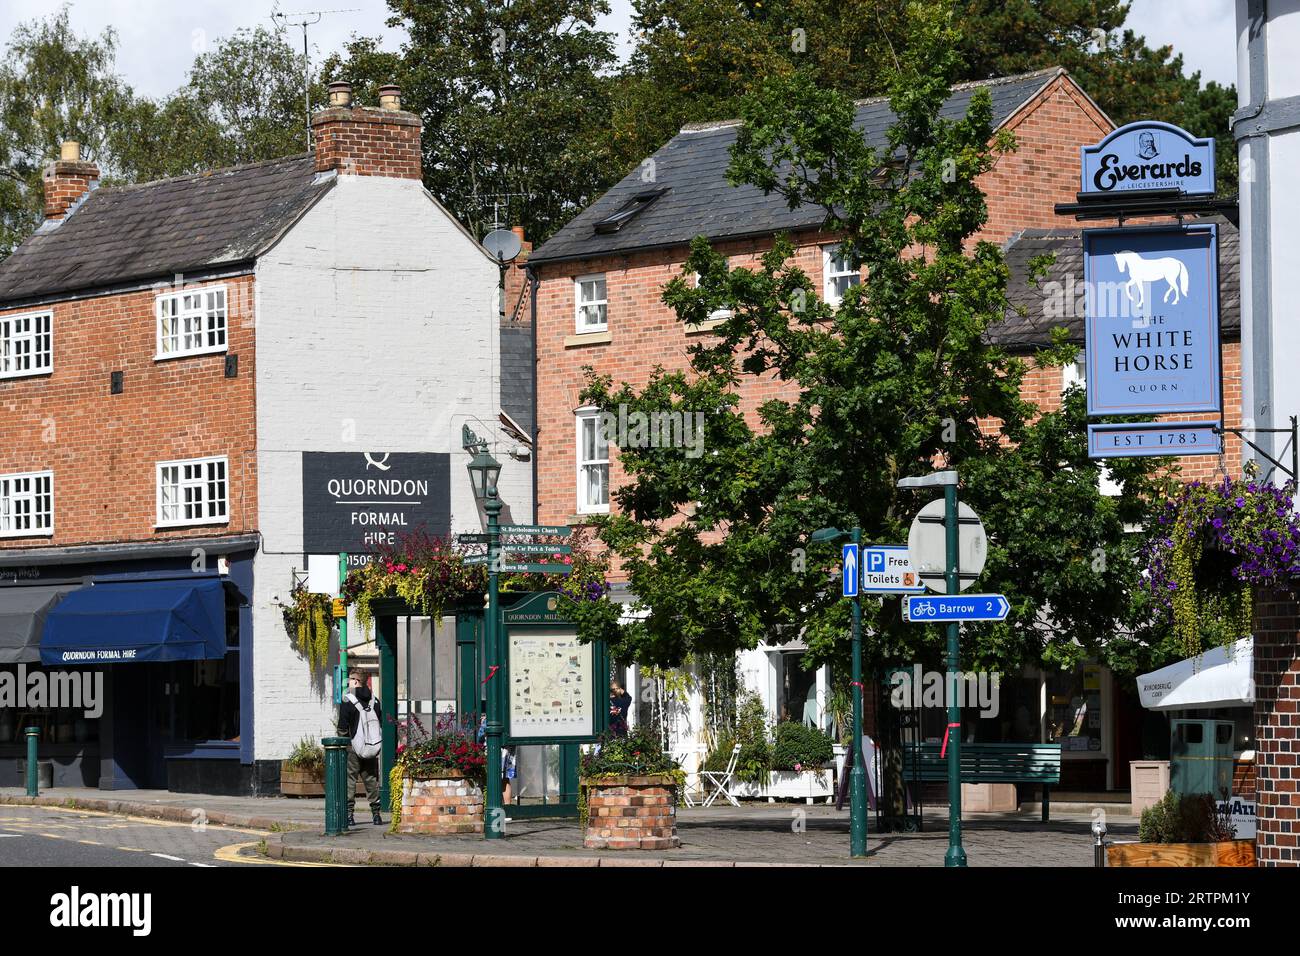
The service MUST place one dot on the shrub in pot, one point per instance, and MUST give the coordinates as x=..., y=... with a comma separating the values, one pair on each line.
x=799, y=747
x=303, y=773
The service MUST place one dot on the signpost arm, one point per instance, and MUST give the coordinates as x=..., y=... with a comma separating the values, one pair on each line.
x=858, y=775
x=956, y=855
x=494, y=828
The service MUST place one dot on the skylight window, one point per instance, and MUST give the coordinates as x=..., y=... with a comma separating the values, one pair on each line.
x=629, y=210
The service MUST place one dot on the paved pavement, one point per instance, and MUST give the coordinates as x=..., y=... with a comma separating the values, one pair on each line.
x=765, y=834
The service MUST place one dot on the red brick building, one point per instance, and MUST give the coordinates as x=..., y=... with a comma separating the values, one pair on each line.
x=597, y=287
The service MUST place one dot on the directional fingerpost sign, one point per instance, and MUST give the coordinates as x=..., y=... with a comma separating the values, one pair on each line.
x=559, y=530
x=538, y=568
x=849, y=578
x=886, y=569
x=537, y=548
x=956, y=607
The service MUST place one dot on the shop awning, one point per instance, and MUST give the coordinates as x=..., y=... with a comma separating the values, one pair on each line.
x=23, y=610
x=1221, y=677
x=119, y=622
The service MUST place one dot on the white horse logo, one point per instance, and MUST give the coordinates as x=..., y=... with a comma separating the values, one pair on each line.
x=1149, y=270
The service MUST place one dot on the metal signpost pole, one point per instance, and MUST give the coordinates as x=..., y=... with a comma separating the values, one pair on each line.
x=495, y=828
x=858, y=775
x=341, y=678
x=956, y=855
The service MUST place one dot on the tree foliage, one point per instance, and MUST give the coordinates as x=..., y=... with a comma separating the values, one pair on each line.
x=898, y=378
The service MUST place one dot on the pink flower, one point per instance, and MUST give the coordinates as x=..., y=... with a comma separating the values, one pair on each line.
x=401, y=567
x=798, y=767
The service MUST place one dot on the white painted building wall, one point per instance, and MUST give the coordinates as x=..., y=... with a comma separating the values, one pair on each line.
x=1270, y=199
x=377, y=331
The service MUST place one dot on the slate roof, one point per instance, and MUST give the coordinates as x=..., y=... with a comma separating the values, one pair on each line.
x=699, y=201
x=122, y=234
x=1034, y=327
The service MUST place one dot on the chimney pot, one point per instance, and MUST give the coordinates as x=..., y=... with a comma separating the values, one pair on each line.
x=340, y=95
x=70, y=151
x=390, y=97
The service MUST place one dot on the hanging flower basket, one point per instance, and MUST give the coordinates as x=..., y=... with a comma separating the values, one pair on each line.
x=1211, y=547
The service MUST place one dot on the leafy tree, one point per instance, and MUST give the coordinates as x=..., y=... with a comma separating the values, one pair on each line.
x=896, y=379
x=54, y=86
x=513, y=101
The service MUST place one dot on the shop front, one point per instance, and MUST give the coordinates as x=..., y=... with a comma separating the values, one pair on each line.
x=135, y=663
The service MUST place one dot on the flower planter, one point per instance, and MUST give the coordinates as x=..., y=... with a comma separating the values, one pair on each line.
x=305, y=783
x=631, y=813
x=788, y=785
x=1225, y=853
x=441, y=803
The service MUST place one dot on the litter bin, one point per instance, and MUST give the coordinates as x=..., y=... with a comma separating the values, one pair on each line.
x=44, y=773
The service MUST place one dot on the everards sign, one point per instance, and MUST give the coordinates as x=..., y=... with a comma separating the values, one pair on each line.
x=1149, y=155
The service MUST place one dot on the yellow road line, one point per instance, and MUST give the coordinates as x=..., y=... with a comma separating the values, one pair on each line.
x=231, y=854
x=131, y=849
x=91, y=842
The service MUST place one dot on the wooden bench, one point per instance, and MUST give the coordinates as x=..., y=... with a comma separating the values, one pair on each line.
x=988, y=763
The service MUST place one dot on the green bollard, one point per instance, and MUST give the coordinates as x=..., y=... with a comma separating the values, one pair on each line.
x=33, y=770
x=336, y=785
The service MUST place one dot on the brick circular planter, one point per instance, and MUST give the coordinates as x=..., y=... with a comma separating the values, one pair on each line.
x=631, y=813
x=441, y=803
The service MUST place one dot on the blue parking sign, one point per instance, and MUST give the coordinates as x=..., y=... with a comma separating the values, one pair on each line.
x=849, y=578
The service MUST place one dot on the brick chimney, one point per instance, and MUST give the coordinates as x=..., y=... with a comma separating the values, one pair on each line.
x=516, y=304
x=67, y=179
x=366, y=140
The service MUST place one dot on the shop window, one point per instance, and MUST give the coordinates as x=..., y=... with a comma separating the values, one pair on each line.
x=59, y=725
x=191, y=323
x=1074, y=709
x=192, y=492
x=27, y=504
x=25, y=347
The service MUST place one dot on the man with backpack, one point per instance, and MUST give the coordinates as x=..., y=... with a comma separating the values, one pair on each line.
x=361, y=720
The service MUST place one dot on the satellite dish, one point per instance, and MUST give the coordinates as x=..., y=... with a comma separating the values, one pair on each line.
x=503, y=244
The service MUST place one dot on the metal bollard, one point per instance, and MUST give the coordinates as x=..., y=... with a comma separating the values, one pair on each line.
x=33, y=769
x=1099, y=843
x=336, y=784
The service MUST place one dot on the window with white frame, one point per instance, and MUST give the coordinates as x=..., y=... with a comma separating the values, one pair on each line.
x=840, y=272
x=1076, y=373
x=725, y=312
x=592, y=305
x=593, y=464
x=193, y=492
x=25, y=344
x=191, y=322
x=27, y=504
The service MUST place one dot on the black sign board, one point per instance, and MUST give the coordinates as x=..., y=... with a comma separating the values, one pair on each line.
x=357, y=501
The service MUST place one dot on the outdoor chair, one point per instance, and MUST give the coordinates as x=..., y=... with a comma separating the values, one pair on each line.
x=686, y=790
x=721, y=780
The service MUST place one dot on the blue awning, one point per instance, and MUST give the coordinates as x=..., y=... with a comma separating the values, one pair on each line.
x=119, y=622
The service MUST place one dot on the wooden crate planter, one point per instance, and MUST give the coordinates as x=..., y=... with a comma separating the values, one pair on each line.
x=1225, y=853
x=441, y=803
x=631, y=813
x=304, y=783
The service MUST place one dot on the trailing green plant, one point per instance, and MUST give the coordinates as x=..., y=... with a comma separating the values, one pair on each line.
x=799, y=747
x=1185, y=818
x=1213, y=544
x=307, y=756
x=309, y=618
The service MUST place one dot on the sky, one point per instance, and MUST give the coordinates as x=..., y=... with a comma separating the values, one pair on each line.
x=157, y=39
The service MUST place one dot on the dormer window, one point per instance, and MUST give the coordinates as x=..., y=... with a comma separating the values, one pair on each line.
x=629, y=210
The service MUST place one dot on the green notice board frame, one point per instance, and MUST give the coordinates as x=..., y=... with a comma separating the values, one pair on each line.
x=544, y=611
